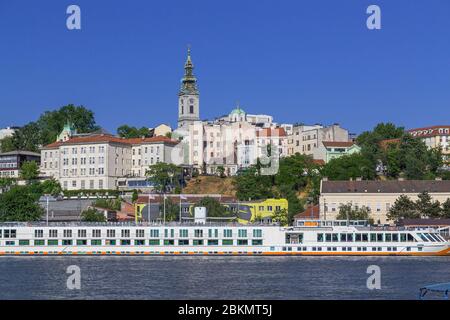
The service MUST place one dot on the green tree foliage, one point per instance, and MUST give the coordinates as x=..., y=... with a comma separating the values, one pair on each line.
x=412, y=158
x=446, y=209
x=213, y=207
x=20, y=204
x=6, y=183
x=29, y=171
x=163, y=176
x=250, y=184
x=348, y=212
x=281, y=216
x=369, y=141
x=128, y=132
x=27, y=138
x=221, y=171
x=172, y=210
x=427, y=207
x=50, y=124
x=349, y=166
x=51, y=187
x=92, y=215
x=134, y=196
x=403, y=208
x=110, y=204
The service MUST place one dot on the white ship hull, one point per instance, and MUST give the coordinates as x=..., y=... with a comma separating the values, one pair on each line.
x=200, y=240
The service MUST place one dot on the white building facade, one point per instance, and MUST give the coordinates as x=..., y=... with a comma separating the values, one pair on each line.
x=98, y=161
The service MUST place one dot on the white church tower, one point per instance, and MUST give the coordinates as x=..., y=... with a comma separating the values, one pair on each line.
x=188, y=97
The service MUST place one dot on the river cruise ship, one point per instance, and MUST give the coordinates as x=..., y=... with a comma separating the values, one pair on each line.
x=309, y=237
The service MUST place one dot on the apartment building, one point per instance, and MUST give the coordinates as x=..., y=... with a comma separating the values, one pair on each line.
x=276, y=137
x=98, y=161
x=149, y=151
x=329, y=150
x=230, y=145
x=11, y=162
x=435, y=137
x=306, y=139
x=378, y=196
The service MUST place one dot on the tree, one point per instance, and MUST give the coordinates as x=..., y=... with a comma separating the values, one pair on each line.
x=221, y=171
x=29, y=171
x=413, y=159
x=92, y=215
x=19, y=204
x=128, y=132
x=403, y=208
x=349, y=166
x=27, y=138
x=134, y=196
x=427, y=207
x=51, y=187
x=446, y=209
x=213, y=207
x=348, y=212
x=5, y=184
x=281, y=216
x=110, y=204
x=163, y=176
x=369, y=141
x=51, y=123
x=172, y=210
x=250, y=184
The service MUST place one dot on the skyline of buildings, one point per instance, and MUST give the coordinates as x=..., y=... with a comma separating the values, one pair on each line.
x=100, y=160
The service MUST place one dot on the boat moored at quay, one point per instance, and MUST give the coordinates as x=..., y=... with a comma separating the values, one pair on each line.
x=309, y=237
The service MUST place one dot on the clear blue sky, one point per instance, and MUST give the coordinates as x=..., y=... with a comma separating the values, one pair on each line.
x=301, y=61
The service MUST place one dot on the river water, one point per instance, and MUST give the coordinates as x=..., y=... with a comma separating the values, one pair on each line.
x=219, y=277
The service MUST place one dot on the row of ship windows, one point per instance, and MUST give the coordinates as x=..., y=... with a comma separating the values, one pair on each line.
x=365, y=237
x=139, y=233
x=137, y=242
x=347, y=249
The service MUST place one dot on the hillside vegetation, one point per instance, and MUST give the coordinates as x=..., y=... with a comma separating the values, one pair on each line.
x=210, y=184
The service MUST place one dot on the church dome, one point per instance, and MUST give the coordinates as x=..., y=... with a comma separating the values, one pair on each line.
x=237, y=111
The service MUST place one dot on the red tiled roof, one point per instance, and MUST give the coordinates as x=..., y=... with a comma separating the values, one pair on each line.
x=429, y=131
x=343, y=144
x=320, y=162
x=307, y=213
x=271, y=132
x=106, y=138
x=152, y=140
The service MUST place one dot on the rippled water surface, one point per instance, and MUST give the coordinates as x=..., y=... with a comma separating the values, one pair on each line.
x=219, y=277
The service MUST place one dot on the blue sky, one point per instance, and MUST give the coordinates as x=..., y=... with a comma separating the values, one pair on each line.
x=309, y=61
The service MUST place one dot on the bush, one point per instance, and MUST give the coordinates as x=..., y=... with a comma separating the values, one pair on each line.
x=92, y=215
x=110, y=204
x=98, y=193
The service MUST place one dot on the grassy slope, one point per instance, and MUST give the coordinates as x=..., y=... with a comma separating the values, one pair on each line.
x=210, y=184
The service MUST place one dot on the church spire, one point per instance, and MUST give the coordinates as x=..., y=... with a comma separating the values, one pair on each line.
x=189, y=82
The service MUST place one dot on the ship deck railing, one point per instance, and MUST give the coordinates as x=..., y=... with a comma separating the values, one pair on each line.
x=133, y=224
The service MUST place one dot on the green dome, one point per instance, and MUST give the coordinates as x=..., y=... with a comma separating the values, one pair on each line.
x=238, y=111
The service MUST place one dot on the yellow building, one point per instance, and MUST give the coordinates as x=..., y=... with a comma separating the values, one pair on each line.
x=249, y=211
